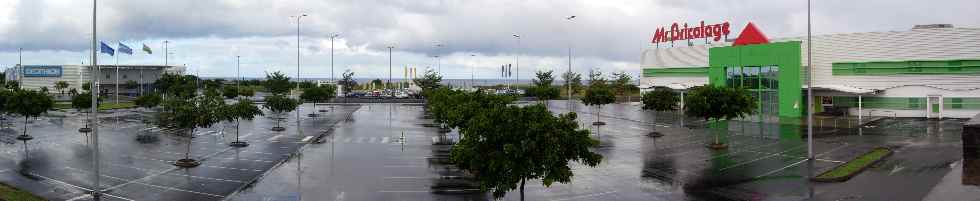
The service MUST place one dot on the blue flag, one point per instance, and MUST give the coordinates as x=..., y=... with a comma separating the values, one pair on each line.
x=125, y=49
x=106, y=49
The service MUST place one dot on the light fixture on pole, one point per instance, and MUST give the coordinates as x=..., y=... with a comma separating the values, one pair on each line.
x=517, y=60
x=568, y=80
x=332, y=37
x=298, y=81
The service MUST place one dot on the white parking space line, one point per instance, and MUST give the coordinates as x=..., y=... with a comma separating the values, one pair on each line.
x=372, y=139
x=579, y=197
x=347, y=140
x=274, y=138
x=385, y=140
x=306, y=139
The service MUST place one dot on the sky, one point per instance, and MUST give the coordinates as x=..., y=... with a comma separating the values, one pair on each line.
x=469, y=37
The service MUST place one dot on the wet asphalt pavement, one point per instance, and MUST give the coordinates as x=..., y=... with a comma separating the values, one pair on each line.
x=363, y=156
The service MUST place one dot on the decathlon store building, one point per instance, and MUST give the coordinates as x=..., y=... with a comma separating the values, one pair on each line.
x=928, y=71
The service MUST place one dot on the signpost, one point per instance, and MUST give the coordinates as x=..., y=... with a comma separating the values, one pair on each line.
x=42, y=71
x=685, y=32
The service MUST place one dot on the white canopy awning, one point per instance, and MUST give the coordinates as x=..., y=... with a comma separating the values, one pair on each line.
x=842, y=88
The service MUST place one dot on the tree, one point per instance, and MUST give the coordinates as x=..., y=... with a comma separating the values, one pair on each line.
x=5, y=96
x=191, y=114
x=543, y=88
x=230, y=92
x=12, y=84
x=508, y=145
x=277, y=83
x=575, y=79
x=246, y=92
x=87, y=86
x=243, y=109
x=29, y=104
x=598, y=94
x=72, y=92
x=621, y=83
x=318, y=94
x=43, y=90
x=717, y=103
x=280, y=104
x=429, y=82
x=147, y=101
x=181, y=86
x=61, y=86
x=659, y=100
x=377, y=83
x=347, y=81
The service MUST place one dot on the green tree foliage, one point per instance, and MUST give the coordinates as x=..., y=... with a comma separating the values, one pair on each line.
x=576, y=81
x=181, y=86
x=243, y=109
x=29, y=104
x=230, y=92
x=661, y=99
x=72, y=92
x=377, y=83
x=246, y=92
x=507, y=145
x=718, y=103
x=213, y=83
x=622, y=83
x=191, y=114
x=280, y=104
x=43, y=90
x=12, y=84
x=87, y=86
x=543, y=88
x=82, y=102
x=318, y=94
x=149, y=100
x=455, y=108
x=347, y=81
x=277, y=83
x=61, y=86
x=429, y=82
x=599, y=93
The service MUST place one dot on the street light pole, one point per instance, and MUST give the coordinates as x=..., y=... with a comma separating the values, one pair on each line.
x=20, y=66
x=238, y=72
x=93, y=115
x=517, y=61
x=334, y=36
x=438, y=62
x=568, y=81
x=472, y=71
x=298, y=81
x=389, y=66
x=166, y=53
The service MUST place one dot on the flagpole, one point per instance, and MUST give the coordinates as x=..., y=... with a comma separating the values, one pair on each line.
x=117, y=77
x=94, y=114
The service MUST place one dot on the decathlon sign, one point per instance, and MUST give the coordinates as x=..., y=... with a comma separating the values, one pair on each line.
x=42, y=71
x=685, y=32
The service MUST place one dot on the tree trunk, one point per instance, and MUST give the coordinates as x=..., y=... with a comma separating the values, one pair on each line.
x=522, y=188
x=187, y=155
x=238, y=125
x=25, y=124
x=654, y=121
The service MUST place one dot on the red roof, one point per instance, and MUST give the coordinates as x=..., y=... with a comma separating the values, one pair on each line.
x=750, y=36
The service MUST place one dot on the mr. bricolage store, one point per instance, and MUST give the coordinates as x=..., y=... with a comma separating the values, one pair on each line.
x=928, y=71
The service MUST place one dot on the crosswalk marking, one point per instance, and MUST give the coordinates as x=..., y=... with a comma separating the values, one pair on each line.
x=385, y=140
x=346, y=140
x=372, y=139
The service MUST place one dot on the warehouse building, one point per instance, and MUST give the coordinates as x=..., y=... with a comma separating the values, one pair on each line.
x=37, y=76
x=928, y=71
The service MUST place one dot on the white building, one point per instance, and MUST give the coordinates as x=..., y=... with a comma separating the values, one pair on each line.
x=37, y=76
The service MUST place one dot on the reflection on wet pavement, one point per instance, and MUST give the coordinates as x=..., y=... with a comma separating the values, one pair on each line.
x=388, y=152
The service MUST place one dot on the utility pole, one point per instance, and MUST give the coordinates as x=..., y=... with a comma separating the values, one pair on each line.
x=517, y=61
x=166, y=53
x=298, y=81
x=389, y=67
x=568, y=81
x=334, y=36
x=238, y=72
x=20, y=68
x=94, y=114
x=809, y=96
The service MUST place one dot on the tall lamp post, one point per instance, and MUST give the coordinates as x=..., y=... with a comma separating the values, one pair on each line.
x=298, y=81
x=568, y=81
x=93, y=115
x=472, y=71
x=389, y=66
x=809, y=96
x=517, y=61
x=332, y=37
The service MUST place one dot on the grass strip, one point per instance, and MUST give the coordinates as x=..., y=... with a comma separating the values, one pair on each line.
x=855, y=166
x=13, y=194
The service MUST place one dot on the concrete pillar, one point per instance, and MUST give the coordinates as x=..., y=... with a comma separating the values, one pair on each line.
x=860, y=111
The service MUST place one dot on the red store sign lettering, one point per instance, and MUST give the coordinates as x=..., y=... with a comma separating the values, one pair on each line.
x=678, y=32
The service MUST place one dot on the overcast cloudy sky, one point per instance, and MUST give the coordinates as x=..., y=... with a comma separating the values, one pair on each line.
x=607, y=34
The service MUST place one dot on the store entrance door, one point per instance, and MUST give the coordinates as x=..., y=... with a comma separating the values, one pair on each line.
x=934, y=106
